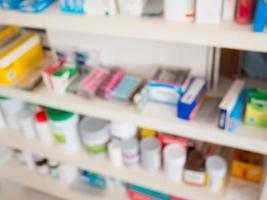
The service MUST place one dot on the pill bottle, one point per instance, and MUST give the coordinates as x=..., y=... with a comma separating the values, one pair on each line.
x=130, y=152
x=195, y=172
x=150, y=154
x=216, y=168
x=42, y=127
x=64, y=126
x=174, y=157
x=10, y=108
x=94, y=134
x=26, y=123
x=115, y=153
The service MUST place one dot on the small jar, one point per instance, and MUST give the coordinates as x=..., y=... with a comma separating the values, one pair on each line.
x=217, y=168
x=26, y=123
x=130, y=152
x=41, y=164
x=174, y=157
x=42, y=127
x=150, y=154
x=195, y=172
x=64, y=128
x=122, y=130
x=94, y=134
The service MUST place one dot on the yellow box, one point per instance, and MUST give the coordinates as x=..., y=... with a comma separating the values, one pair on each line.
x=19, y=57
x=247, y=166
x=7, y=32
x=145, y=132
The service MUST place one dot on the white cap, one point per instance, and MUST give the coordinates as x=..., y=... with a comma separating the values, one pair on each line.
x=216, y=166
x=174, y=155
x=94, y=131
x=123, y=130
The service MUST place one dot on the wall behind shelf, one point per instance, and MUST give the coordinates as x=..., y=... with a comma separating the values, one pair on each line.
x=136, y=56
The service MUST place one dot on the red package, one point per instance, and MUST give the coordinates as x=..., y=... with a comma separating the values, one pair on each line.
x=244, y=11
x=165, y=139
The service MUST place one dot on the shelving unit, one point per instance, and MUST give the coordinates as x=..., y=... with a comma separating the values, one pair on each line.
x=139, y=176
x=162, y=118
x=227, y=34
x=15, y=172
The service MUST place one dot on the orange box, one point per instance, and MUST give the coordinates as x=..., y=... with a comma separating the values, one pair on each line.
x=247, y=165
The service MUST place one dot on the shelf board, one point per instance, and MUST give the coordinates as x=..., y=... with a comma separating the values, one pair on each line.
x=83, y=160
x=226, y=34
x=21, y=174
x=160, y=117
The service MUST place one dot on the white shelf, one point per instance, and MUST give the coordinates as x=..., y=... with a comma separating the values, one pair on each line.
x=227, y=34
x=20, y=174
x=138, y=176
x=161, y=118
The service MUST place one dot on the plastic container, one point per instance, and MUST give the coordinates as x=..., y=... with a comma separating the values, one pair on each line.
x=115, y=153
x=217, y=168
x=64, y=128
x=130, y=152
x=122, y=130
x=174, y=157
x=42, y=127
x=10, y=108
x=94, y=134
x=150, y=154
x=26, y=123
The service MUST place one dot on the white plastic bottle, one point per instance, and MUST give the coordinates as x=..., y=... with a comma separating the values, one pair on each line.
x=42, y=127
x=64, y=126
x=26, y=123
x=10, y=109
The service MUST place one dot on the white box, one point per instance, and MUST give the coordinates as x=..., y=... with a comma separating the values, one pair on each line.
x=229, y=10
x=179, y=10
x=131, y=7
x=208, y=11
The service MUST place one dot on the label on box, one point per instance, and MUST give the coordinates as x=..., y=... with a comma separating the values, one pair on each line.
x=194, y=177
